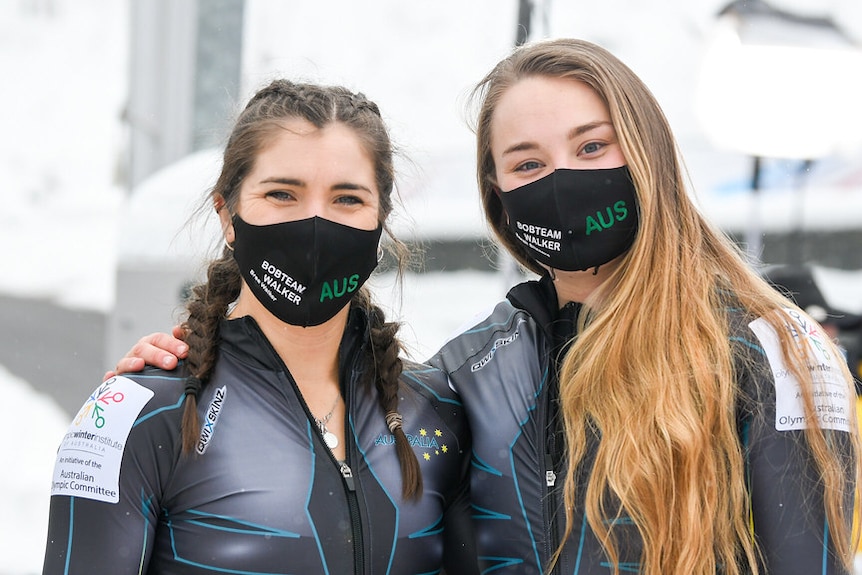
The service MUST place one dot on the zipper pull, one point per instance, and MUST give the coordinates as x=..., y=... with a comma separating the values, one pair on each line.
x=347, y=474
x=550, y=478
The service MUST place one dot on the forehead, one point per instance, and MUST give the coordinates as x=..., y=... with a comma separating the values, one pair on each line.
x=539, y=103
x=298, y=146
x=302, y=135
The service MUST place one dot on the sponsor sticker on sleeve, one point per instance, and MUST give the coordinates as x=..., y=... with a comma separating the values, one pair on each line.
x=88, y=460
x=831, y=394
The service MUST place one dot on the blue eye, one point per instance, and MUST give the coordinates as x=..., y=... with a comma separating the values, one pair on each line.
x=280, y=195
x=527, y=166
x=349, y=200
x=592, y=147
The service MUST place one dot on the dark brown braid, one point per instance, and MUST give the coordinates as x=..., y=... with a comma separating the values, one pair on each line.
x=258, y=123
x=207, y=305
x=385, y=356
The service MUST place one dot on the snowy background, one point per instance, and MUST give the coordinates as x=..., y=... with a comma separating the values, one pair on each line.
x=62, y=151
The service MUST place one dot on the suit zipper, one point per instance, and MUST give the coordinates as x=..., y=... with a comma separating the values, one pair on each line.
x=359, y=559
x=550, y=498
x=356, y=524
x=352, y=497
x=350, y=493
x=552, y=491
x=359, y=567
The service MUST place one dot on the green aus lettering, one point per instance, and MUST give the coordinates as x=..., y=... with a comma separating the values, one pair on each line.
x=616, y=213
x=337, y=288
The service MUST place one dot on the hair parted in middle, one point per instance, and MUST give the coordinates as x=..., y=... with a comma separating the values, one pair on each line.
x=257, y=125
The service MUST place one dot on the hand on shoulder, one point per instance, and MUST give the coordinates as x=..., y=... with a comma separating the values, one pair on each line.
x=156, y=349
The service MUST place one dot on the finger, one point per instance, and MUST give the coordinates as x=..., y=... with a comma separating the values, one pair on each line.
x=129, y=364
x=153, y=347
x=144, y=353
x=179, y=332
x=108, y=375
x=157, y=349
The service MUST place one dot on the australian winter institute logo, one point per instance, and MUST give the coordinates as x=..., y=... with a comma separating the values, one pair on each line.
x=97, y=405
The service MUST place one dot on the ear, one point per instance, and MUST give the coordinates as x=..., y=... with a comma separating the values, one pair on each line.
x=225, y=218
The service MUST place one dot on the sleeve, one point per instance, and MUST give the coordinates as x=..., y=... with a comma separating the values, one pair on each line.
x=786, y=493
x=107, y=486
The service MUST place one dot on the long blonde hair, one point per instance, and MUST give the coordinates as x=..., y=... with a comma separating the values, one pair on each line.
x=652, y=371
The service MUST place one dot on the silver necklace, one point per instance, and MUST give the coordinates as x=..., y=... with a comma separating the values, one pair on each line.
x=329, y=438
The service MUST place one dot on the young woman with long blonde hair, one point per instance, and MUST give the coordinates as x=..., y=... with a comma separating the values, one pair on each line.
x=708, y=423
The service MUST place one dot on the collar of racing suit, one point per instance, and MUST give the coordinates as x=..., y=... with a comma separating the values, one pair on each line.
x=539, y=299
x=245, y=335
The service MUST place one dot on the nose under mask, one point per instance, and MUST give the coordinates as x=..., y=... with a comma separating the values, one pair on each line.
x=574, y=220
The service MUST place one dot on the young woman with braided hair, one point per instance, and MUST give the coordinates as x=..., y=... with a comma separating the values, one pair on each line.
x=293, y=438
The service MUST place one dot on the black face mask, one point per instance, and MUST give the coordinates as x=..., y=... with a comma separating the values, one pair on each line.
x=574, y=220
x=304, y=272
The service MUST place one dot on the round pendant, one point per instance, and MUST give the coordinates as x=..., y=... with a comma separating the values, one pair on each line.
x=330, y=440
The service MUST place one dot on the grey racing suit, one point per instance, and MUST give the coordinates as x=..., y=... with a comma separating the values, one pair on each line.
x=261, y=494
x=505, y=369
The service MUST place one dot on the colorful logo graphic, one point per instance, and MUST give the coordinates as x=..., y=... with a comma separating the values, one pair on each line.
x=804, y=328
x=97, y=404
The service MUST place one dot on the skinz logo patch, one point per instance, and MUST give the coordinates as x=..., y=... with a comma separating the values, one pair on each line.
x=490, y=355
x=211, y=419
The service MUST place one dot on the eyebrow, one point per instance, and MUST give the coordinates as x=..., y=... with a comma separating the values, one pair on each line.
x=581, y=130
x=301, y=184
x=573, y=133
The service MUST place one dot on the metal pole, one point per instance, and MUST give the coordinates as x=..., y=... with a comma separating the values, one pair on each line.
x=525, y=14
x=797, y=234
x=753, y=238
x=218, y=56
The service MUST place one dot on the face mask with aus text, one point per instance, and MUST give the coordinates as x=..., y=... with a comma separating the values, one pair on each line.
x=575, y=220
x=304, y=272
